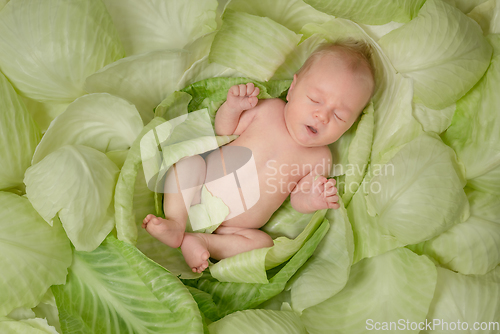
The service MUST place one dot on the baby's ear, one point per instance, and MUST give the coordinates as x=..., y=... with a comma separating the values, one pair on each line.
x=291, y=86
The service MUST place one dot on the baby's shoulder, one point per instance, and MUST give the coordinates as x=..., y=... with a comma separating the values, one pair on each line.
x=272, y=105
x=271, y=110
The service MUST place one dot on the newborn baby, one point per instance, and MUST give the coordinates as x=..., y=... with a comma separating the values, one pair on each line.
x=288, y=141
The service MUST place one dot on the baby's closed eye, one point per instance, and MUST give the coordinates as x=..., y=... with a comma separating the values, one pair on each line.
x=312, y=100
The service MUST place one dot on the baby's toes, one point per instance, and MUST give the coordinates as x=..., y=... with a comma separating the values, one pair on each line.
x=332, y=199
x=148, y=218
x=204, y=265
x=155, y=221
x=330, y=189
x=335, y=205
x=200, y=269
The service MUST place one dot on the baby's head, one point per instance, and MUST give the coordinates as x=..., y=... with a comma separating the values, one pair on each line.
x=329, y=93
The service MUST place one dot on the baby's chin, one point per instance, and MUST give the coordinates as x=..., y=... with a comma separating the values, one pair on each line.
x=311, y=145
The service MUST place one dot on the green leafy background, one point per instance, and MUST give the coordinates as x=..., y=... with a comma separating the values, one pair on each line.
x=86, y=85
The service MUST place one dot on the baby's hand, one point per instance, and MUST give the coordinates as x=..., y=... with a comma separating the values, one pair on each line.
x=324, y=194
x=242, y=97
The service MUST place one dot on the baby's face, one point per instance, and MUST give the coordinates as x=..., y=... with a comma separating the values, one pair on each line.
x=326, y=100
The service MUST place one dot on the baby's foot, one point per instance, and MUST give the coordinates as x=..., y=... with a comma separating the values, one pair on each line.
x=195, y=251
x=167, y=231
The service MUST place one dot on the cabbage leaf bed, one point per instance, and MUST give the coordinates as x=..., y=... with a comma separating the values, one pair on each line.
x=99, y=97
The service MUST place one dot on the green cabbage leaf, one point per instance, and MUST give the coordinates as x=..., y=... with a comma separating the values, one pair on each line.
x=145, y=26
x=445, y=64
x=465, y=298
x=48, y=60
x=101, y=121
x=55, y=185
x=34, y=255
x=370, y=12
x=400, y=280
x=475, y=128
x=116, y=289
x=19, y=135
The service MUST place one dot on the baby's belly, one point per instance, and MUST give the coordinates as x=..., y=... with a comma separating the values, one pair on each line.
x=234, y=178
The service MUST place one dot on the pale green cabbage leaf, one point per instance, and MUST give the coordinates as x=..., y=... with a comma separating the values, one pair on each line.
x=101, y=121
x=27, y=326
x=370, y=12
x=471, y=247
x=445, y=64
x=396, y=285
x=255, y=46
x=145, y=26
x=292, y=14
x=359, y=154
x=370, y=237
x=465, y=298
x=297, y=57
x=19, y=136
x=327, y=270
x=465, y=5
x=116, y=289
x=34, y=254
x=44, y=112
x=487, y=15
x=207, y=216
x=381, y=213
x=434, y=120
x=475, y=129
x=259, y=321
x=286, y=221
x=48, y=60
x=144, y=80
x=422, y=195
x=3, y=3
x=55, y=187
x=377, y=31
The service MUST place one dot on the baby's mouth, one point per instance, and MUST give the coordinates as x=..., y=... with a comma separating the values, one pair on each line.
x=313, y=130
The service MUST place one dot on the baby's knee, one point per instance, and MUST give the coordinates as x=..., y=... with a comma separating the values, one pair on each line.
x=267, y=241
x=261, y=238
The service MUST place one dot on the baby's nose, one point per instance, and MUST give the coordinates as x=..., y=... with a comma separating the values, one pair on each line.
x=322, y=116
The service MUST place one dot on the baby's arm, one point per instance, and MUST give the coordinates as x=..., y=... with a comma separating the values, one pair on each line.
x=310, y=195
x=229, y=118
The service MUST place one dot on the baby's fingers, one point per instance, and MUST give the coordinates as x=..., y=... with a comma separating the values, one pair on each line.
x=244, y=89
x=234, y=91
x=238, y=90
x=254, y=91
x=247, y=90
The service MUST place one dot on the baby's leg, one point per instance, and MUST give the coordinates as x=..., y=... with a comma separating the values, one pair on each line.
x=225, y=242
x=187, y=176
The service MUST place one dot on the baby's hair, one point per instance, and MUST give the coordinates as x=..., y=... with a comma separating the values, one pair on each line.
x=359, y=54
